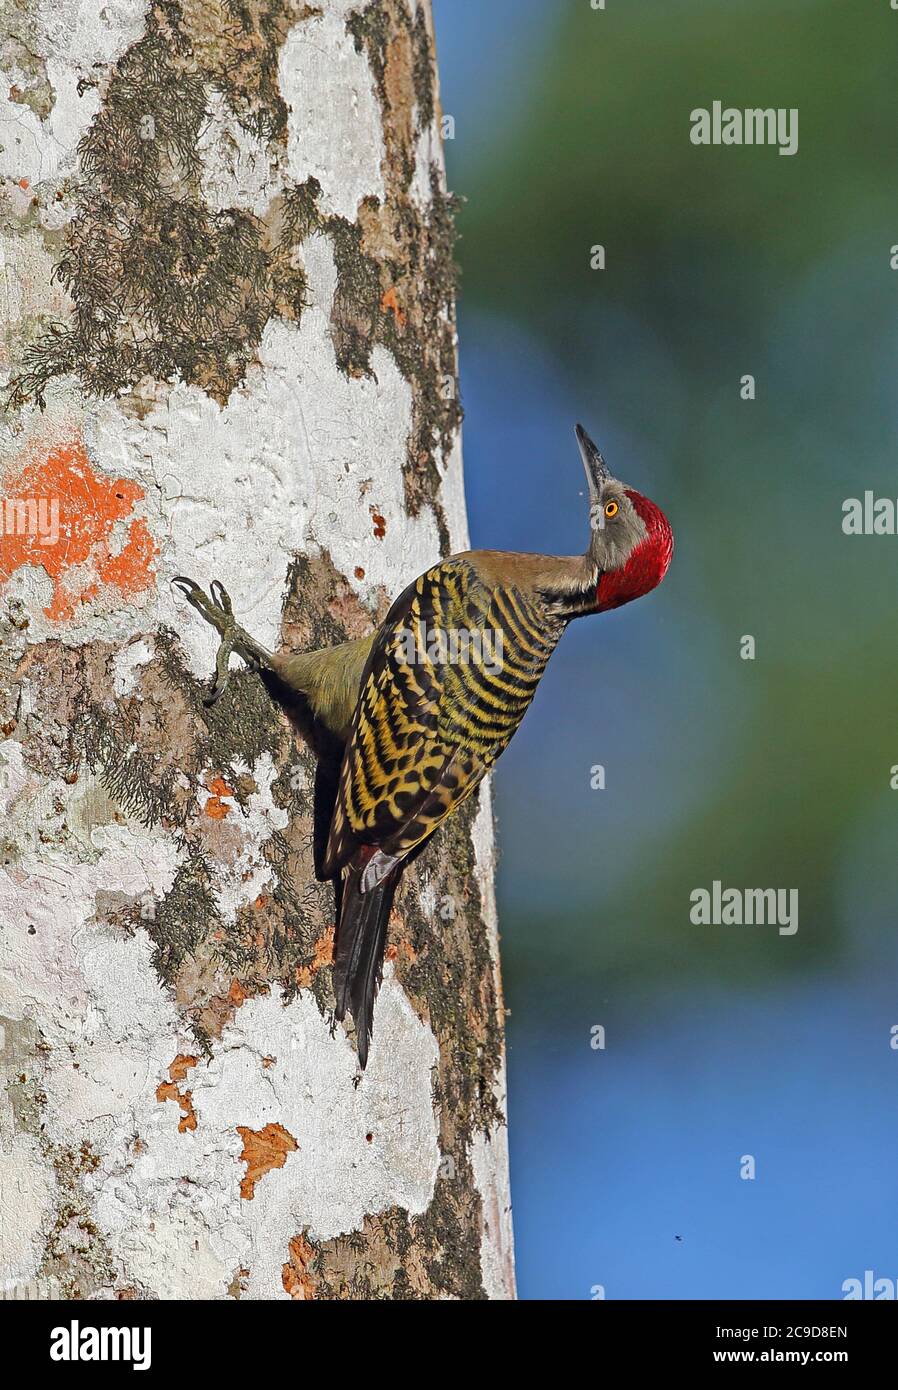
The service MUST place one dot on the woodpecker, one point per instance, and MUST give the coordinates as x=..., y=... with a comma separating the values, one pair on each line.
x=422, y=708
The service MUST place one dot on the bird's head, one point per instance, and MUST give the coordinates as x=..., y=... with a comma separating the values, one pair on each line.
x=631, y=541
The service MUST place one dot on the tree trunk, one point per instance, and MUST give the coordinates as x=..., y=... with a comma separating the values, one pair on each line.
x=229, y=352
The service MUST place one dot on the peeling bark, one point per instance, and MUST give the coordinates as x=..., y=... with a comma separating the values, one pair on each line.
x=228, y=349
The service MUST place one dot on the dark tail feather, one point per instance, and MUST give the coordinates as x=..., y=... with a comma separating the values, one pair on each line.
x=359, y=951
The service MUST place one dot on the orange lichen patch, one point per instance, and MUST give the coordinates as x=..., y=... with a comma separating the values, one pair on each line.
x=61, y=515
x=23, y=184
x=261, y=901
x=188, y=1119
x=295, y=1276
x=167, y=1090
x=380, y=524
x=263, y=1149
x=324, y=955
x=359, y=572
x=390, y=304
x=268, y=1062
x=215, y=806
x=181, y=1066
x=237, y=995
x=404, y=948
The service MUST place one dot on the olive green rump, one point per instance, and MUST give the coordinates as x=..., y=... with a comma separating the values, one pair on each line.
x=330, y=679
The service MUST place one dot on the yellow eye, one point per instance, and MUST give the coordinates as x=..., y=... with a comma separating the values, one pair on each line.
x=611, y=509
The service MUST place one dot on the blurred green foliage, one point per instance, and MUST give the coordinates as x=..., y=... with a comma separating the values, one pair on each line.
x=698, y=238
x=720, y=261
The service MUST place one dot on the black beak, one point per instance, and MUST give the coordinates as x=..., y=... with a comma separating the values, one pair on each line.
x=596, y=469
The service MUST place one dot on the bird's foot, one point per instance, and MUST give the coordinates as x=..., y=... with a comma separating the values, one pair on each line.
x=218, y=612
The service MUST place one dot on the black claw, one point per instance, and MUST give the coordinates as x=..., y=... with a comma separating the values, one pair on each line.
x=216, y=610
x=187, y=587
x=220, y=596
x=194, y=595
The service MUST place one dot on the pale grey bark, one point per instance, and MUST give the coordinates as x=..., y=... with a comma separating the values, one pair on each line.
x=243, y=369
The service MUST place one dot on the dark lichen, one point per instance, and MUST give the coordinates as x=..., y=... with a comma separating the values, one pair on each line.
x=76, y=1253
x=425, y=71
x=451, y=978
x=370, y=28
x=184, y=919
x=163, y=285
x=396, y=278
x=238, y=42
x=406, y=1258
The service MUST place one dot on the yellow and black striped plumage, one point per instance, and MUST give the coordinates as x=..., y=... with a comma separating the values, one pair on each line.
x=426, y=730
x=447, y=681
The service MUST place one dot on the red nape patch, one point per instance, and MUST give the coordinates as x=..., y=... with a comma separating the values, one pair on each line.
x=648, y=563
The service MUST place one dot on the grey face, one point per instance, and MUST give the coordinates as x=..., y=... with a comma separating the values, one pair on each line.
x=614, y=523
x=616, y=527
